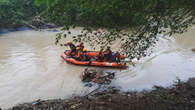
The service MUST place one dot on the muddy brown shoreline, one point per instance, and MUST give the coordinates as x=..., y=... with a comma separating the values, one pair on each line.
x=180, y=96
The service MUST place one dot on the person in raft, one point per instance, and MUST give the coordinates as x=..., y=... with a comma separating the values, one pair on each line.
x=79, y=53
x=83, y=55
x=108, y=54
x=72, y=48
x=81, y=46
x=111, y=56
x=100, y=56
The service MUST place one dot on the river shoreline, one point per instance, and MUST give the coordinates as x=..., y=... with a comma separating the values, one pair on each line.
x=180, y=96
x=25, y=28
x=36, y=24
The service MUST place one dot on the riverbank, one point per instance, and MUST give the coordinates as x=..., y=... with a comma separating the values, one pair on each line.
x=36, y=23
x=181, y=96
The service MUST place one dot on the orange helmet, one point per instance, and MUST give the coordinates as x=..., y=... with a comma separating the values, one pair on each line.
x=84, y=49
x=69, y=43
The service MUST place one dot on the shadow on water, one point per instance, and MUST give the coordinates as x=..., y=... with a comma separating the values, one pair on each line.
x=24, y=28
x=6, y=31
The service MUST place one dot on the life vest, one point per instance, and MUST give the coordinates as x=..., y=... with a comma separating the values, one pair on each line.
x=80, y=55
x=86, y=55
x=83, y=55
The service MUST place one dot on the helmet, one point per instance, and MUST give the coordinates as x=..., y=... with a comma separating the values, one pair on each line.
x=84, y=49
x=69, y=43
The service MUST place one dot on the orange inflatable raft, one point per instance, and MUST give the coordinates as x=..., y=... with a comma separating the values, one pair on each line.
x=69, y=59
x=95, y=54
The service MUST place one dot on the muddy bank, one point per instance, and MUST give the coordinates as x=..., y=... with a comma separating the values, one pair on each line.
x=180, y=96
x=36, y=23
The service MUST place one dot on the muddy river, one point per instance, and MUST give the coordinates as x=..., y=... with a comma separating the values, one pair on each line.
x=31, y=67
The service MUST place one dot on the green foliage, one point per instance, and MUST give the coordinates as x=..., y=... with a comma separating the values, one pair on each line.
x=14, y=13
x=147, y=18
x=112, y=13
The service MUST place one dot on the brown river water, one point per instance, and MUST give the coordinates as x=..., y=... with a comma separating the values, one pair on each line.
x=31, y=67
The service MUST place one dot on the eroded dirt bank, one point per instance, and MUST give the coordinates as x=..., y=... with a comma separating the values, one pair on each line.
x=180, y=96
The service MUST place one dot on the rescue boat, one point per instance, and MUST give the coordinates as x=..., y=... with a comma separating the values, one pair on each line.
x=69, y=59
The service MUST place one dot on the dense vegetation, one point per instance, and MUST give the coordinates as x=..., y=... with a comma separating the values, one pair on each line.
x=104, y=19
x=15, y=13
x=114, y=13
